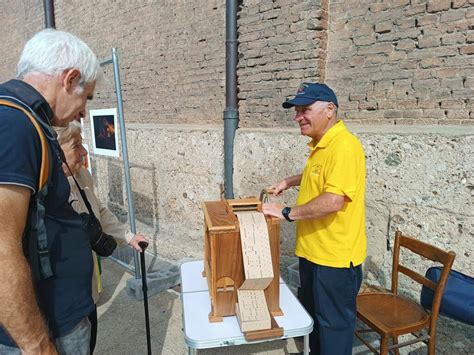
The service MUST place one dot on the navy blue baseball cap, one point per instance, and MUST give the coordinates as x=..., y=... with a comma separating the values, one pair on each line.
x=309, y=93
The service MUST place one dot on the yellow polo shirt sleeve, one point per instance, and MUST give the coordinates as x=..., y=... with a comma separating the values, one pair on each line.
x=341, y=172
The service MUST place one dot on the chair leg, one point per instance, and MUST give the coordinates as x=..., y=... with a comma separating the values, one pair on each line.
x=432, y=346
x=383, y=345
x=395, y=342
x=432, y=341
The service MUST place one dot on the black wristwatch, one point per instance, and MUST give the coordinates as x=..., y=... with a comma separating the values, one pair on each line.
x=286, y=213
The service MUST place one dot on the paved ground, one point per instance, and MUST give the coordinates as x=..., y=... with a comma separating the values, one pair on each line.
x=122, y=323
x=122, y=326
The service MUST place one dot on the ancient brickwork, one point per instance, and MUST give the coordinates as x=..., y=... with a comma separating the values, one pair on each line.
x=171, y=55
x=398, y=61
x=281, y=44
x=18, y=23
x=403, y=61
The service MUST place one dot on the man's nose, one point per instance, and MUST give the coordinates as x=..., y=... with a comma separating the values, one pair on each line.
x=298, y=116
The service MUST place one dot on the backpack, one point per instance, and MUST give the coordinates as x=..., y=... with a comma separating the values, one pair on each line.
x=458, y=298
x=35, y=240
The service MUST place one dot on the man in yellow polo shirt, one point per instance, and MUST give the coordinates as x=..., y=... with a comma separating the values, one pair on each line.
x=330, y=219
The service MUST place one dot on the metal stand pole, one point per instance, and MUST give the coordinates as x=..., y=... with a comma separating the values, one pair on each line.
x=131, y=209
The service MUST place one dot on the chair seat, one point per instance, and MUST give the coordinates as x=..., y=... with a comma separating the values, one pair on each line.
x=391, y=314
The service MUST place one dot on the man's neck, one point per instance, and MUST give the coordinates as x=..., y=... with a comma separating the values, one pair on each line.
x=330, y=124
x=46, y=85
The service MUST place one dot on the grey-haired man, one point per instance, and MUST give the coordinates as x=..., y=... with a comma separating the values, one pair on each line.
x=56, y=75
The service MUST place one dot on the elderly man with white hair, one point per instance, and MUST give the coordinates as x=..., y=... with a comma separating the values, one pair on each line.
x=45, y=314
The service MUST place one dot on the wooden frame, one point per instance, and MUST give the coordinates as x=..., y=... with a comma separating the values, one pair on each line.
x=223, y=265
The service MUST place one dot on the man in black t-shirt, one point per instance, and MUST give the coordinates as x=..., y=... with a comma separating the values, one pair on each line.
x=56, y=75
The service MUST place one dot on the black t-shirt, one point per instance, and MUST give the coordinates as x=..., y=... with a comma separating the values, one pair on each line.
x=65, y=298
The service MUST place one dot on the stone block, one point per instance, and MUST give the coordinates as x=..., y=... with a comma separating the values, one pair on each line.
x=458, y=3
x=469, y=49
x=426, y=20
x=161, y=275
x=453, y=38
x=426, y=42
x=457, y=114
x=383, y=27
x=438, y=5
x=455, y=83
x=452, y=16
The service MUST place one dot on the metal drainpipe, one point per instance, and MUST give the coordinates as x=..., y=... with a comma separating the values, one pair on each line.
x=231, y=113
x=49, y=14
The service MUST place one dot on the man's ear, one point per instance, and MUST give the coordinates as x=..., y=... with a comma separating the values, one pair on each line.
x=71, y=78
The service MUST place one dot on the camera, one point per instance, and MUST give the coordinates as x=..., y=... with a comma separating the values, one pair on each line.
x=102, y=243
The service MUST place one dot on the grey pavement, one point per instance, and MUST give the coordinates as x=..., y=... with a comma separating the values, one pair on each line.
x=121, y=327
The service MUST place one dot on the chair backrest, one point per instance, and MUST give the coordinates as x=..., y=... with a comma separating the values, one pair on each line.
x=430, y=252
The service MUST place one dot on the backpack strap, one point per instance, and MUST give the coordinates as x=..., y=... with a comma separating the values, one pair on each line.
x=36, y=230
x=44, y=169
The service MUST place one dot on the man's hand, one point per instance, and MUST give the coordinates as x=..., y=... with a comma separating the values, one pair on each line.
x=137, y=239
x=273, y=209
x=277, y=188
x=45, y=347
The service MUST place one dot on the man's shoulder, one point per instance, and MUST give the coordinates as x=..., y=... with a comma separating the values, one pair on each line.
x=20, y=150
x=346, y=140
x=13, y=122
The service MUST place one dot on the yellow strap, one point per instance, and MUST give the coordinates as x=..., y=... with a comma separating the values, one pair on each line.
x=44, y=169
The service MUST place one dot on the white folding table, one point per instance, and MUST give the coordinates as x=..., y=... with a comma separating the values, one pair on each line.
x=199, y=333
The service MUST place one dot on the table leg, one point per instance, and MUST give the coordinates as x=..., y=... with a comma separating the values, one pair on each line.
x=306, y=344
x=192, y=351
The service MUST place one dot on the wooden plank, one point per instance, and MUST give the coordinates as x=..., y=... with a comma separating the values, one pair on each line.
x=274, y=332
x=217, y=217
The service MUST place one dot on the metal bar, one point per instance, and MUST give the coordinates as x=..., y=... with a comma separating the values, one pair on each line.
x=231, y=113
x=306, y=344
x=49, y=21
x=122, y=263
x=105, y=62
x=131, y=209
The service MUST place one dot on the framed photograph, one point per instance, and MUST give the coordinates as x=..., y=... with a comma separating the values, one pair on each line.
x=86, y=163
x=104, y=132
x=82, y=130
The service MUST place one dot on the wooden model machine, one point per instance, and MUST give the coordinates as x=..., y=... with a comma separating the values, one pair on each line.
x=242, y=265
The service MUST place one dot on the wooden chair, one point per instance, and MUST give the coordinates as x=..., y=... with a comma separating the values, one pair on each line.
x=392, y=315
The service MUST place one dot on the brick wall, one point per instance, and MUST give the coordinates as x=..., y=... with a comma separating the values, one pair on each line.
x=19, y=22
x=403, y=62
x=281, y=44
x=397, y=62
x=171, y=55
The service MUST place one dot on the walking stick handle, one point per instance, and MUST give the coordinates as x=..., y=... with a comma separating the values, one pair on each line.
x=143, y=245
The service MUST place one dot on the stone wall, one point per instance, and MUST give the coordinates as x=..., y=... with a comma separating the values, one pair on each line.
x=419, y=180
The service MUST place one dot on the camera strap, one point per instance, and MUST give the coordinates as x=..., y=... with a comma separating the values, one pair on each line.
x=81, y=191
